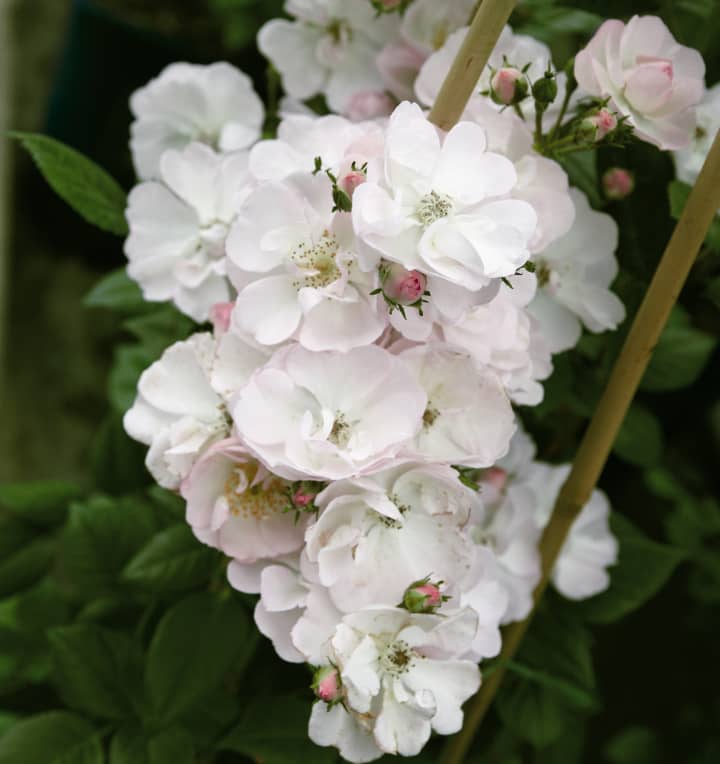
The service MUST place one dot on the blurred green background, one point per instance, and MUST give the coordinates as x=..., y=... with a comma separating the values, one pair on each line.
x=67, y=68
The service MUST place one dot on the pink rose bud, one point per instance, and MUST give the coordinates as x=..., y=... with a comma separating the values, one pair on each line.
x=369, y=104
x=496, y=477
x=220, y=317
x=618, y=183
x=423, y=596
x=351, y=180
x=600, y=124
x=302, y=499
x=327, y=684
x=402, y=286
x=508, y=86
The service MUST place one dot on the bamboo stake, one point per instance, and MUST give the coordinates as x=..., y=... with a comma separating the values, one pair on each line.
x=491, y=17
x=600, y=435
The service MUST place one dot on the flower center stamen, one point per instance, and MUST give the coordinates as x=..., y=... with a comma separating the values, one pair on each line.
x=316, y=263
x=432, y=207
x=260, y=501
x=397, y=658
x=340, y=432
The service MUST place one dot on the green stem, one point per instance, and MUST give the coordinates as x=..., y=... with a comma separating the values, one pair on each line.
x=569, y=90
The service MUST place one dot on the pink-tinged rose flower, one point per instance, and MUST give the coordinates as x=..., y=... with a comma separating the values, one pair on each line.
x=403, y=286
x=220, y=317
x=618, y=183
x=648, y=76
x=508, y=86
x=236, y=505
x=369, y=104
x=600, y=124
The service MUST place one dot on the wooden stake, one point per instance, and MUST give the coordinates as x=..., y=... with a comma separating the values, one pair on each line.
x=664, y=290
x=491, y=17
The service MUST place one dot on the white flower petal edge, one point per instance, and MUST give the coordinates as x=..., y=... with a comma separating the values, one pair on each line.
x=215, y=104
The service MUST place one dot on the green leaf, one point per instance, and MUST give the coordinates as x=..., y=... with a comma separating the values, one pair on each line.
x=41, y=502
x=634, y=745
x=259, y=736
x=552, y=681
x=533, y=712
x=55, y=737
x=26, y=566
x=130, y=745
x=643, y=568
x=550, y=21
x=97, y=671
x=679, y=357
x=173, y=560
x=116, y=291
x=640, y=440
x=101, y=536
x=160, y=328
x=118, y=462
x=197, y=644
x=87, y=188
x=678, y=193
x=129, y=363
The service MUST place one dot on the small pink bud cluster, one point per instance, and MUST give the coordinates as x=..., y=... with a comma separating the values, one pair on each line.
x=327, y=685
x=423, y=596
x=618, y=183
x=599, y=125
x=508, y=86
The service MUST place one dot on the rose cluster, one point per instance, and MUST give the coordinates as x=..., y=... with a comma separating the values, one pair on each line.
x=379, y=296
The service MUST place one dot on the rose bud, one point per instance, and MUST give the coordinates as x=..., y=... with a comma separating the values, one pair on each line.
x=402, y=286
x=618, y=183
x=599, y=125
x=508, y=86
x=423, y=596
x=327, y=685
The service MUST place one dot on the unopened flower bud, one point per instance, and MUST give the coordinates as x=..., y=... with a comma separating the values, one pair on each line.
x=351, y=180
x=508, y=86
x=327, y=684
x=545, y=89
x=302, y=494
x=597, y=126
x=220, y=317
x=423, y=596
x=402, y=286
x=496, y=477
x=618, y=183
